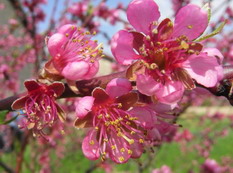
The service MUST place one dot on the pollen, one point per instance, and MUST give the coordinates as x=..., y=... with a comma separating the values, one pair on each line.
x=122, y=150
x=190, y=26
x=113, y=147
x=130, y=152
x=91, y=142
x=121, y=159
x=141, y=141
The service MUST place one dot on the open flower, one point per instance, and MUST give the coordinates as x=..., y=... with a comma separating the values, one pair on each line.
x=39, y=105
x=165, y=59
x=74, y=55
x=115, y=131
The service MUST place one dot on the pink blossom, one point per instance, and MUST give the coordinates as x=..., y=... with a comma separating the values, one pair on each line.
x=165, y=59
x=74, y=55
x=163, y=169
x=116, y=132
x=39, y=106
x=211, y=166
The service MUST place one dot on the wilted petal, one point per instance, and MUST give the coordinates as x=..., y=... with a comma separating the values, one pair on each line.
x=83, y=106
x=141, y=13
x=171, y=92
x=55, y=43
x=100, y=95
x=75, y=70
x=122, y=47
x=31, y=85
x=128, y=100
x=19, y=103
x=204, y=69
x=190, y=21
x=84, y=122
x=147, y=85
x=90, y=146
x=118, y=87
x=57, y=87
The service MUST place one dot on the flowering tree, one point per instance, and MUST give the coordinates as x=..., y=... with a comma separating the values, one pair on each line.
x=160, y=68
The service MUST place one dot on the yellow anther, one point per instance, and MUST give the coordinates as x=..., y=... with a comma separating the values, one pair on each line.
x=94, y=33
x=119, y=105
x=132, y=132
x=121, y=159
x=91, y=142
x=107, y=115
x=72, y=27
x=190, y=26
x=122, y=150
x=169, y=24
x=87, y=33
x=105, y=140
x=165, y=48
x=141, y=141
x=155, y=31
x=128, y=123
x=107, y=123
x=67, y=35
x=62, y=132
x=153, y=66
x=184, y=45
x=100, y=116
x=148, y=38
x=131, y=141
x=191, y=51
x=159, y=43
x=113, y=147
x=130, y=152
x=96, y=128
x=163, y=71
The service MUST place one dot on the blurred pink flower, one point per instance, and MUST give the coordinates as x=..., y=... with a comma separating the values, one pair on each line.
x=168, y=59
x=74, y=55
x=163, y=169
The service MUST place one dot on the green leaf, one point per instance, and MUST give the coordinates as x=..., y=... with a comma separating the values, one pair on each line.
x=215, y=32
x=9, y=121
x=3, y=116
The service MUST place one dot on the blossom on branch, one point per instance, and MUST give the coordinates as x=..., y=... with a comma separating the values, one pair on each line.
x=39, y=106
x=120, y=128
x=165, y=58
x=74, y=55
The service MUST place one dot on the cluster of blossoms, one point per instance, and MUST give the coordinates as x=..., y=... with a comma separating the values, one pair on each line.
x=164, y=59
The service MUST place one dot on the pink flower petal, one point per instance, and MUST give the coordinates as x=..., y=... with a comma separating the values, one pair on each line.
x=137, y=149
x=90, y=146
x=190, y=21
x=141, y=13
x=67, y=29
x=75, y=70
x=122, y=47
x=83, y=106
x=55, y=43
x=215, y=53
x=147, y=85
x=204, y=69
x=170, y=93
x=93, y=69
x=144, y=115
x=118, y=87
x=117, y=154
